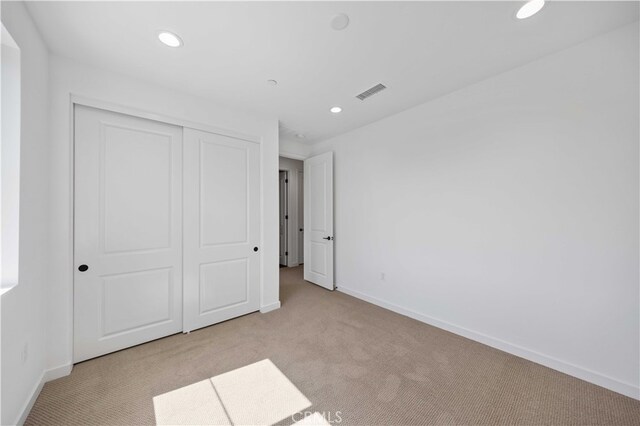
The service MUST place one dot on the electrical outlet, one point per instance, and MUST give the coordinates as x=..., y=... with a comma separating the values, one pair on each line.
x=24, y=354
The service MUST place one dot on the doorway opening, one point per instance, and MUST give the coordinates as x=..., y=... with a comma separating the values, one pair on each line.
x=291, y=219
x=284, y=217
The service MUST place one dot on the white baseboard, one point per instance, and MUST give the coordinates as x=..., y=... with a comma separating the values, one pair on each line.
x=57, y=372
x=585, y=374
x=269, y=308
x=28, y=405
x=47, y=376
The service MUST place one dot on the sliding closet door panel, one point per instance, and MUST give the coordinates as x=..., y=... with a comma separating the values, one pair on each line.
x=128, y=231
x=221, y=228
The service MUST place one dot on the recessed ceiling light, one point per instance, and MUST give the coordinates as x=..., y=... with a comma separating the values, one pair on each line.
x=340, y=22
x=272, y=82
x=529, y=9
x=336, y=109
x=170, y=39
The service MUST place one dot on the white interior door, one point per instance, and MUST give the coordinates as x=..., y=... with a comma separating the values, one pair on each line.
x=318, y=220
x=128, y=231
x=221, y=228
x=283, y=217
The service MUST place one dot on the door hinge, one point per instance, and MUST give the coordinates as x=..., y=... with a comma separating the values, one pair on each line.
x=286, y=216
x=286, y=181
x=286, y=253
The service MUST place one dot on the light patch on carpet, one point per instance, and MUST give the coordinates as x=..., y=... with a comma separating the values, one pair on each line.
x=257, y=394
x=196, y=404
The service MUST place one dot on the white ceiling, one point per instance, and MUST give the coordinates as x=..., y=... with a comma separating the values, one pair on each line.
x=420, y=50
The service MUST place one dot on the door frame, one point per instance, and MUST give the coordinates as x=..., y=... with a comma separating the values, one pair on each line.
x=139, y=113
x=286, y=214
x=293, y=245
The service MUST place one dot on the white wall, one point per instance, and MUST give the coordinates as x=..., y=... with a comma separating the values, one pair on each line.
x=23, y=319
x=294, y=167
x=72, y=78
x=294, y=149
x=508, y=211
x=10, y=167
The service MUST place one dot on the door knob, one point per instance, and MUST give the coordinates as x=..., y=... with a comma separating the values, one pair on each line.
x=255, y=249
x=327, y=238
x=82, y=268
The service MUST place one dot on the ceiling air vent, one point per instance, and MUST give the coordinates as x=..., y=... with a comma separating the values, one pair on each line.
x=372, y=91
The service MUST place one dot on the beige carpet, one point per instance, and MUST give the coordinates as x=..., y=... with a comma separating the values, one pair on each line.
x=357, y=364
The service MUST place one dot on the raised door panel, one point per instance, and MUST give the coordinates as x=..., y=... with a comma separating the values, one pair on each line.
x=318, y=197
x=136, y=299
x=318, y=258
x=223, y=284
x=223, y=194
x=136, y=189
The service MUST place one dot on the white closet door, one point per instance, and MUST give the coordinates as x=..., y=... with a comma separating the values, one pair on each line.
x=221, y=228
x=318, y=220
x=128, y=231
